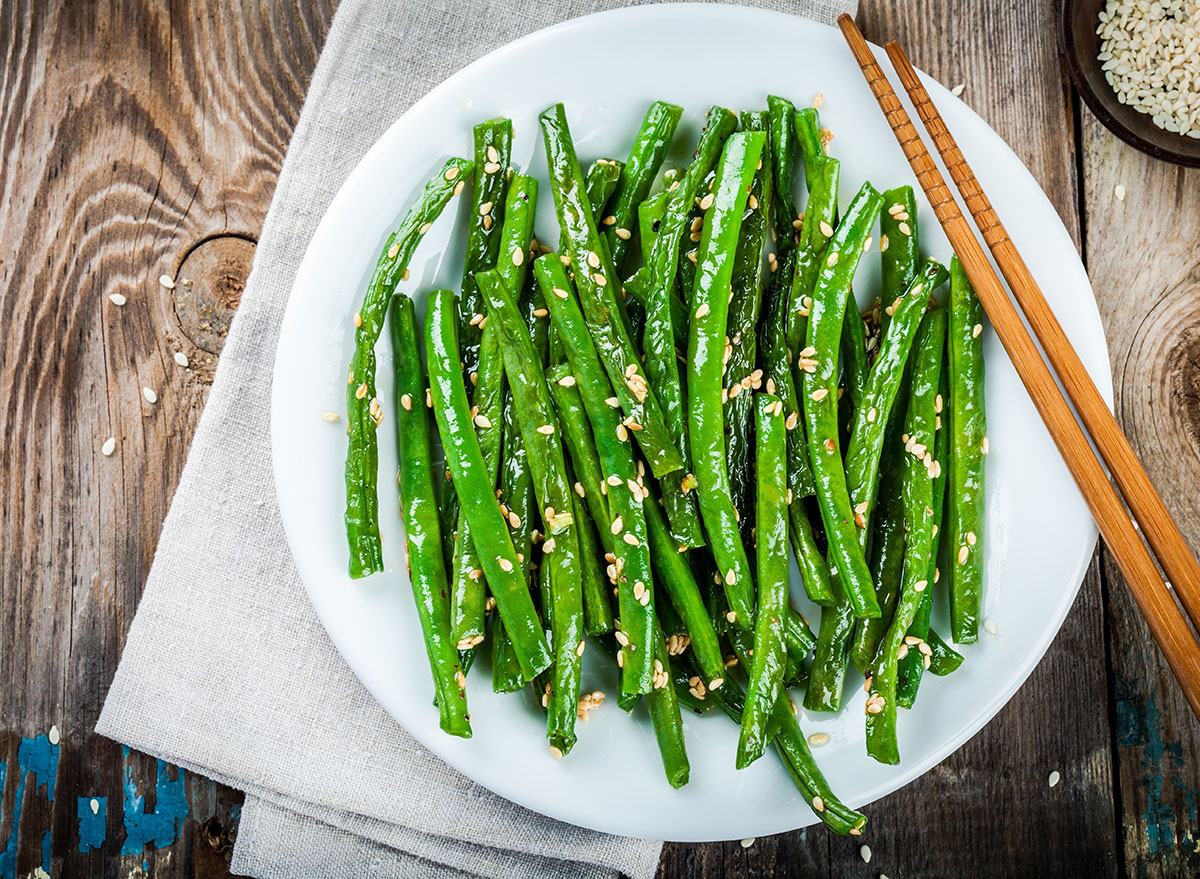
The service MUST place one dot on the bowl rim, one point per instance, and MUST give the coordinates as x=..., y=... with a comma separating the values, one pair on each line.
x=1075, y=71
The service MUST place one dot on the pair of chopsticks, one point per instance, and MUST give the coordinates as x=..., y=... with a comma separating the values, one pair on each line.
x=1150, y=591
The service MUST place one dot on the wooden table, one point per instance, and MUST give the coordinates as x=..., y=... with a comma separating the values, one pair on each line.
x=137, y=141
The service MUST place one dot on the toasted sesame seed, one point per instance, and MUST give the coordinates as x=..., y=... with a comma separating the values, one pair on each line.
x=621, y=637
x=506, y=564
x=487, y=223
x=1119, y=192
x=491, y=167
x=428, y=399
x=752, y=202
x=730, y=577
x=561, y=293
x=819, y=394
x=702, y=310
x=485, y=208
x=579, y=648
x=556, y=753
x=818, y=804
x=622, y=433
x=983, y=445
x=826, y=229
x=458, y=189
x=990, y=626
x=483, y=421
x=475, y=574
x=518, y=255
x=152, y=397
x=116, y=299
x=976, y=330
x=167, y=281
x=883, y=243
x=593, y=259
x=865, y=853
x=548, y=546
x=731, y=616
x=867, y=244
x=546, y=429
x=832, y=258
x=451, y=173
x=937, y=403
x=920, y=585
x=747, y=842
x=707, y=202
x=630, y=539
x=623, y=234
x=425, y=227
x=1054, y=778
x=394, y=250
x=971, y=538
x=963, y=552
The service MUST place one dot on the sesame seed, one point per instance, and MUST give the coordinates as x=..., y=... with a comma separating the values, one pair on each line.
x=904, y=229
x=623, y=234
x=451, y=173
x=425, y=227
x=116, y=299
x=394, y=250
x=428, y=399
x=920, y=585
x=167, y=281
x=518, y=255
x=548, y=546
x=865, y=853
x=872, y=414
x=599, y=278
x=492, y=154
x=832, y=258
x=976, y=330
x=883, y=243
x=983, y=445
x=1119, y=192
x=937, y=403
x=485, y=209
x=958, y=89
x=506, y=564
x=971, y=538
x=792, y=421
x=630, y=539
x=730, y=577
x=702, y=310
x=896, y=209
x=867, y=244
x=483, y=421
x=491, y=167
x=752, y=202
x=818, y=739
x=556, y=753
x=109, y=446
x=458, y=189
x=546, y=429
x=818, y=804
x=487, y=223
x=990, y=626
x=621, y=637
x=747, y=842
x=593, y=259
x=819, y=394
x=826, y=229
x=561, y=293
x=707, y=202
x=579, y=648
x=540, y=312
x=151, y=396
x=514, y=521
x=963, y=552
x=731, y=616
x=181, y=358
x=1054, y=778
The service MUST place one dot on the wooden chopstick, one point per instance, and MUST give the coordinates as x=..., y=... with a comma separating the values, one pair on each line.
x=1148, y=508
x=1167, y=623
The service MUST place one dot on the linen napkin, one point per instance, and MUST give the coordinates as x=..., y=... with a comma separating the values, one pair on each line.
x=226, y=670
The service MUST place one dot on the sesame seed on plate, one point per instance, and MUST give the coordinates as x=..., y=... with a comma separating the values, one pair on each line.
x=167, y=281
x=116, y=299
x=109, y=446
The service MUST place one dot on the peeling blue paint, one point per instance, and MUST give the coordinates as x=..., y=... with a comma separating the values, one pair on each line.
x=1139, y=725
x=92, y=830
x=161, y=826
x=38, y=756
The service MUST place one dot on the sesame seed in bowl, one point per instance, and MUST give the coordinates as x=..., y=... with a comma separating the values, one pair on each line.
x=1136, y=64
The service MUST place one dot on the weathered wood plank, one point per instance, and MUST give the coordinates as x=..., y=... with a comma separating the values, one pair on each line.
x=1142, y=258
x=131, y=133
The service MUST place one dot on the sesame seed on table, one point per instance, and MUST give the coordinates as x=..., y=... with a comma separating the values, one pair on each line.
x=129, y=321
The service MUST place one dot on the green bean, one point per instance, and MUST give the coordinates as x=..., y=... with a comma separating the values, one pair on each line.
x=792, y=746
x=469, y=590
x=675, y=575
x=831, y=655
x=636, y=285
x=499, y=560
x=899, y=255
x=814, y=570
x=650, y=214
x=597, y=609
x=663, y=707
x=783, y=139
x=645, y=156
x=887, y=541
x=598, y=285
x=818, y=219
x=418, y=507
x=913, y=665
x=918, y=478
x=578, y=432
x=706, y=346
x=880, y=391
x=740, y=373
x=968, y=447
x=662, y=365
x=599, y=183
x=944, y=659
x=493, y=146
x=686, y=692
x=363, y=414
x=812, y=148
x=854, y=365
x=820, y=397
x=796, y=635
x=541, y=436
x=770, y=655
x=632, y=550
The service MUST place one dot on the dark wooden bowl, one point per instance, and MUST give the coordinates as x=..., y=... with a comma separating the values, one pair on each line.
x=1080, y=45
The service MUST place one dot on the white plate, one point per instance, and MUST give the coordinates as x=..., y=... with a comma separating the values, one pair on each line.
x=1039, y=535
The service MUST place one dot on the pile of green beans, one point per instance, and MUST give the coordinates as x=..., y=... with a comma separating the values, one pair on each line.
x=639, y=431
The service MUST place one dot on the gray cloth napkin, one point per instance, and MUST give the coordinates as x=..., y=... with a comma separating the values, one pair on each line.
x=226, y=670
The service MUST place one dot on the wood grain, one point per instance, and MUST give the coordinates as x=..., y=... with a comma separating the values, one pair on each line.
x=1142, y=258
x=133, y=134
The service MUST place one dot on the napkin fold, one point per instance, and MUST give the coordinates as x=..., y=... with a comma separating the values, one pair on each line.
x=226, y=669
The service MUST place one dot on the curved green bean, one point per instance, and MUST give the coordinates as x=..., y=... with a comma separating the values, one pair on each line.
x=880, y=391
x=968, y=448
x=645, y=156
x=541, y=435
x=706, y=350
x=363, y=414
x=418, y=507
x=820, y=397
x=741, y=376
x=819, y=218
x=498, y=560
x=632, y=551
x=782, y=123
x=812, y=149
x=918, y=516
x=770, y=655
x=598, y=284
